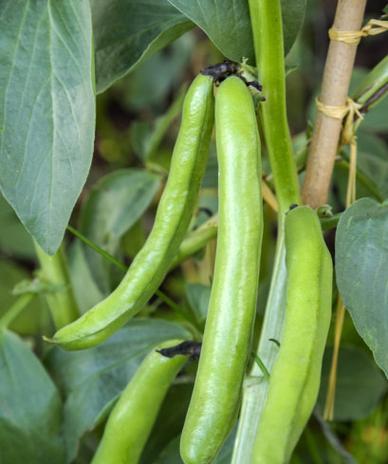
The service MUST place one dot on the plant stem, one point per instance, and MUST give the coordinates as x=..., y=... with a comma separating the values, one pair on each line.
x=97, y=249
x=267, y=30
x=335, y=87
x=196, y=240
x=15, y=309
x=373, y=87
x=331, y=390
x=62, y=303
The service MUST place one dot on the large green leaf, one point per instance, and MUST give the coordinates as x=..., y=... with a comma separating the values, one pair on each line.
x=115, y=203
x=227, y=23
x=126, y=32
x=362, y=272
x=47, y=111
x=93, y=379
x=360, y=384
x=31, y=409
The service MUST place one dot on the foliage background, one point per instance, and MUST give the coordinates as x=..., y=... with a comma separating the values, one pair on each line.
x=56, y=402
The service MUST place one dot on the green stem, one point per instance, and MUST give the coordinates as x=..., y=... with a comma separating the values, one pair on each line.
x=97, y=249
x=15, y=309
x=373, y=87
x=196, y=240
x=163, y=124
x=266, y=20
x=331, y=222
x=62, y=303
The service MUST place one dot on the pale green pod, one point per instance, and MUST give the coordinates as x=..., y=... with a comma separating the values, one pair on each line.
x=295, y=377
x=133, y=416
x=232, y=306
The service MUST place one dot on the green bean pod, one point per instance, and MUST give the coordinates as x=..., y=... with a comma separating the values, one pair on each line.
x=132, y=418
x=295, y=377
x=232, y=306
x=173, y=216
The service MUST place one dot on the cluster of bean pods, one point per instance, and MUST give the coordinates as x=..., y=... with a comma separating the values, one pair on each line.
x=294, y=379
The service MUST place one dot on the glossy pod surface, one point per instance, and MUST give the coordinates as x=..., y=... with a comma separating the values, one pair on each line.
x=172, y=219
x=132, y=418
x=294, y=380
x=224, y=354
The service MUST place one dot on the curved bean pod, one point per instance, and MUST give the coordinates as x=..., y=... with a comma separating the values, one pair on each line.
x=173, y=216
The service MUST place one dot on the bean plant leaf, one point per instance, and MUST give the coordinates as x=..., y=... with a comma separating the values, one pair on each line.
x=126, y=32
x=227, y=23
x=31, y=409
x=115, y=203
x=362, y=272
x=47, y=111
x=92, y=379
x=360, y=384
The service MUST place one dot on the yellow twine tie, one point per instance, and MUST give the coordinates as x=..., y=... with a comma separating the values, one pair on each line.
x=348, y=135
x=373, y=27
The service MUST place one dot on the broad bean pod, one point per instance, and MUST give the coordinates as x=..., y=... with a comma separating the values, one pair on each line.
x=232, y=306
x=132, y=418
x=295, y=377
x=173, y=216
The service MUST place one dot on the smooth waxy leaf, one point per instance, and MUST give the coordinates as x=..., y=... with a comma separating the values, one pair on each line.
x=31, y=409
x=116, y=202
x=93, y=379
x=360, y=384
x=47, y=111
x=227, y=23
x=126, y=32
x=362, y=272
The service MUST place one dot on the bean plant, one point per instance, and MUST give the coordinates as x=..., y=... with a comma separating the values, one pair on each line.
x=193, y=238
